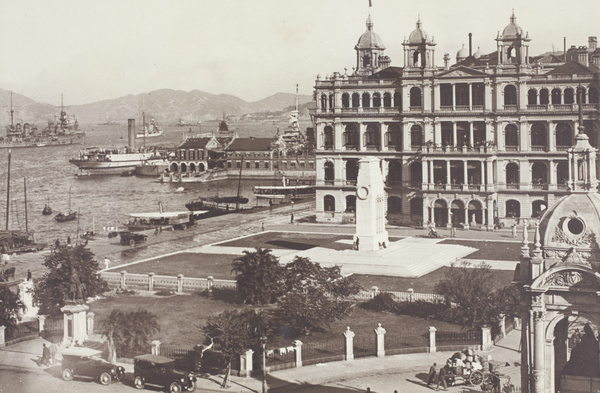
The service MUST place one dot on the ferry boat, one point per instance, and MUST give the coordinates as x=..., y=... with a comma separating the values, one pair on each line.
x=296, y=192
x=107, y=160
x=160, y=219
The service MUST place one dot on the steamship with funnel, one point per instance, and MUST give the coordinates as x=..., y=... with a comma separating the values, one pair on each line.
x=96, y=160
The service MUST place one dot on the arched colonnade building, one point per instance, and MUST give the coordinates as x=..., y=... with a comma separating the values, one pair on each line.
x=479, y=142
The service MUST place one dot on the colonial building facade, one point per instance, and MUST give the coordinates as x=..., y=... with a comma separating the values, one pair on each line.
x=477, y=143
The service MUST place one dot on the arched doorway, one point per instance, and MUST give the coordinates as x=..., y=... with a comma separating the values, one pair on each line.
x=457, y=208
x=440, y=213
x=183, y=167
x=174, y=167
x=475, y=212
x=192, y=167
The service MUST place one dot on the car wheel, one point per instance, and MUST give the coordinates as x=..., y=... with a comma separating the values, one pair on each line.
x=138, y=382
x=476, y=378
x=105, y=378
x=67, y=374
x=192, y=386
x=174, y=387
x=183, y=227
x=132, y=243
x=145, y=239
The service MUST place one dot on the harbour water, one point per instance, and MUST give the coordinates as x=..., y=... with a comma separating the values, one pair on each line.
x=103, y=199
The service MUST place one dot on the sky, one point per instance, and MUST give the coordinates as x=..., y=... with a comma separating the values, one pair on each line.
x=92, y=50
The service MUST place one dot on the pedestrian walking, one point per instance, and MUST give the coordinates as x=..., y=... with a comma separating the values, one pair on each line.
x=28, y=275
x=432, y=374
x=442, y=379
x=69, y=240
x=57, y=243
x=262, y=227
x=514, y=231
x=45, y=355
x=292, y=218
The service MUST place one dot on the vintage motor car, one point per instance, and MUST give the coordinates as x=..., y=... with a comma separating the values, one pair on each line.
x=160, y=371
x=87, y=362
x=132, y=238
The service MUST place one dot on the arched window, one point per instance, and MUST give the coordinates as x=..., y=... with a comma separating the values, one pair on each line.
x=387, y=100
x=581, y=93
x=394, y=172
x=366, y=100
x=331, y=101
x=562, y=173
x=510, y=95
x=329, y=171
x=394, y=205
x=512, y=174
x=372, y=137
x=355, y=100
x=328, y=137
x=329, y=203
x=564, y=137
x=556, y=96
x=351, y=136
x=537, y=208
x=394, y=136
x=323, y=101
x=416, y=174
x=376, y=100
x=397, y=100
x=511, y=137
x=532, y=97
x=350, y=203
x=544, y=97
x=415, y=97
x=539, y=174
x=416, y=209
x=593, y=95
x=569, y=96
x=513, y=209
x=539, y=139
x=351, y=170
x=416, y=136
x=345, y=100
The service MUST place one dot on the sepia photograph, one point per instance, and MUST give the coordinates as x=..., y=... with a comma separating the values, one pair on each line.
x=315, y=196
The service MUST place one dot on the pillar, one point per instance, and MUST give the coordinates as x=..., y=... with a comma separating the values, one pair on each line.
x=210, y=283
x=453, y=127
x=503, y=325
x=246, y=364
x=486, y=338
x=123, y=279
x=155, y=347
x=538, y=353
x=471, y=136
x=424, y=173
x=448, y=180
x=465, y=175
x=151, y=281
x=349, y=344
x=180, y=283
x=437, y=132
x=298, y=352
x=431, y=176
x=380, y=337
x=90, y=323
x=338, y=132
x=432, y=343
x=552, y=136
x=41, y=323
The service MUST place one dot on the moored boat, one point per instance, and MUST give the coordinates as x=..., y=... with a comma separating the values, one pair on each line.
x=151, y=130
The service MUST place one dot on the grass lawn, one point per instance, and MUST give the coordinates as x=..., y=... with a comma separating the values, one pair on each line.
x=290, y=241
x=490, y=250
x=180, y=318
x=423, y=284
x=189, y=264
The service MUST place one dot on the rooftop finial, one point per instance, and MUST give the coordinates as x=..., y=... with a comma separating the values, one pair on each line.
x=513, y=18
x=536, y=240
x=419, y=21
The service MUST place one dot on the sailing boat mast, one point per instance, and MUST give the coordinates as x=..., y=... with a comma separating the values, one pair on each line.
x=144, y=127
x=237, y=201
x=25, y=191
x=12, y=112
x=8, y=190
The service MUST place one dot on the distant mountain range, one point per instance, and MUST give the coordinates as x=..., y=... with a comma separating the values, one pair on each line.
x=165, y=105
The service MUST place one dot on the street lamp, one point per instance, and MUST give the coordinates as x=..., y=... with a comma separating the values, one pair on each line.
x=263, y=341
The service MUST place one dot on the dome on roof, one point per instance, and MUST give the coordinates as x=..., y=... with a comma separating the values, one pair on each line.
x=418, y=35
x=513, y=29
x=571, y=222
x=369, y=39
x=462, y=54
x=477, y=54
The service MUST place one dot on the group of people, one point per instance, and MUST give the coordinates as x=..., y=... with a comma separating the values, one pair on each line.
x=457, y=369
x=49, y=354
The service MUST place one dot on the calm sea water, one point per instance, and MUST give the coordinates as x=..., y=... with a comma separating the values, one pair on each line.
x=103, y=199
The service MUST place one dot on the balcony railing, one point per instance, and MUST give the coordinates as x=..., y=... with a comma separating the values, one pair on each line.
x=537, y=107
x=563, y=107
x=463, y=108
x=456, y=187
x=539, y=186
x=510, y=107
x=563, y=147
x=474, y=187
x=561, y=187
x=446, y=108
x=350, y=182
x=511, y=148
x=416, y=108
x=512, y=186
x=439, y=186
x=539, y=148
x=415, y=184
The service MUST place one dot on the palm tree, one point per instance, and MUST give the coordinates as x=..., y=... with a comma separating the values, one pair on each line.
x=111, y=329
x=259, y=276
x=129, y=331
x=10, y=306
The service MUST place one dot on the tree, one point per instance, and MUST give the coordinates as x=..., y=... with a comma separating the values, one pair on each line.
x=259, y=276
x=128, y=331
x=234, y=332
x=52, y=290
x=315, y=295
x=10, y=306
x=470, y=289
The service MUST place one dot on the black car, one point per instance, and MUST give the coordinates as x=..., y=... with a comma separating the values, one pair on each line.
x=132, y=238
x=160, y=371
x=86, y=362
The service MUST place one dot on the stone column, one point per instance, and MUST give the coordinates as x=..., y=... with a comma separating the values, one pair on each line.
x=380, y=336
x=552, y=136
x=90, y=323
x=503, y=325
x=454, y=101
x=471, y=136
x=151, y=281
x=66, y=318
x=539, y=365
x=383, y=128
x=123, y=279
x=437, y=132
x=210, y=284
x=431, y=174
x=41, y=323
x=180, y=283
x=486, y=338
x=246, y=364
x=453, y=127
x=448, y=180
x=338, y=132
x=424, y=173
x=349, y=335
x=432, y=343
x=298, y=352
x=155, y=347
x=2, y=336
x=465, y=177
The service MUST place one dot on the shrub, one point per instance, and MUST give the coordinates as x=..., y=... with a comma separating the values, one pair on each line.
x=164, y=292
x=383, y=301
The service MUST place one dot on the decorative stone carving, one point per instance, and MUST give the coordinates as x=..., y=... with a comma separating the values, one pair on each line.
x=583, y=240
x=574, y=258
x=537, y=300
x=570, y=278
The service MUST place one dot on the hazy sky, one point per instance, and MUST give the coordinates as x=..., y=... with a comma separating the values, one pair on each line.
x=104, y=49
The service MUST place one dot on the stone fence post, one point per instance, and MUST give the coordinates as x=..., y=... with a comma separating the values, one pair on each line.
x=349, y=335
x=180, y=283
x=374, y=291
x=155, y=347
x=517, y=323
x=123, y=279
x=151, y=281
x=503, y=325
x=41, y=323
x=2, y=337
x=90, y=322
x=298, y=352
x=210, y=283
x=246, y=364
x=432, y=343
x=380, y=336
x=486, y=338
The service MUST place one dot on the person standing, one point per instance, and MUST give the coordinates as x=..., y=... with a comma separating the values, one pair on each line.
x=442, y=379
x=292, y=218
x=432, y=374
x=514, y=231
